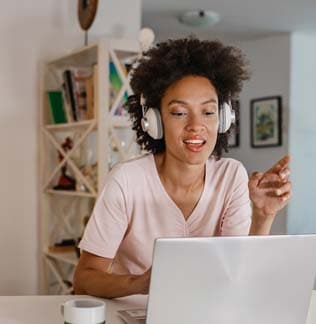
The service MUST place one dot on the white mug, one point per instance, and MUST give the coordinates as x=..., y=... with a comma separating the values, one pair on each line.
x=83, y=311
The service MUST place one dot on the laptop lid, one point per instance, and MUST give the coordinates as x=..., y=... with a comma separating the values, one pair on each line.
x=225, y=280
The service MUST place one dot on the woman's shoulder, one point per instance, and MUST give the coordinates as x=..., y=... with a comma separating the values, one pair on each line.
x=135, y=167
x=226, y=172
x=224, y=162
x=129, y=175
x=226, y=165
x=139, y=162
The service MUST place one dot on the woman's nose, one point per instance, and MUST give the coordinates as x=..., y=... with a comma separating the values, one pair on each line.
x=195, y=123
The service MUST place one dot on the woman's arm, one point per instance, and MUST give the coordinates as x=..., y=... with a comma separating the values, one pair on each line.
x=269, y=192
x=92, y=278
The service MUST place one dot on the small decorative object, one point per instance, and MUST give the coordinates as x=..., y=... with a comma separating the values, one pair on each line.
x=65, y=181
x=146, y=38
x=65, y=245
x=87, y=10
x=90, y=172
x=266, y=122
x=233, y=140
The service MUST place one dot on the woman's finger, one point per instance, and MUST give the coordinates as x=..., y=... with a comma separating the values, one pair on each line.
x=285, y=188
x=285, y=173
x=254, y=179
x=271, y=185
x=286, y=196
x=267, y=178
x=275, y=188
x=281, y=164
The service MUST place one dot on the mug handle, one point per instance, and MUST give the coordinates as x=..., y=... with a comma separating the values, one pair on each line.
x=62, y=307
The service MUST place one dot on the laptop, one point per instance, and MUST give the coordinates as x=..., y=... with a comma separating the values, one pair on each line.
x=230, y=280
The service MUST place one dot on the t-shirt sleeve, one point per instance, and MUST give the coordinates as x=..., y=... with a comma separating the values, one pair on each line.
x=237, y=214
x=108, y=222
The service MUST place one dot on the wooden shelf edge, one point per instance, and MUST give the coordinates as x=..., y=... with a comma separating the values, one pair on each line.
x=71, y=54
x=67, y=257
x=70, y=193
x=67, y=126
x=120, y=122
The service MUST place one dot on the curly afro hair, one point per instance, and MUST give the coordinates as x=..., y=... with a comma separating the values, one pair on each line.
x=170, y=61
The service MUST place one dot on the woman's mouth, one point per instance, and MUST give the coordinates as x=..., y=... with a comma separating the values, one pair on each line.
x=194, y=144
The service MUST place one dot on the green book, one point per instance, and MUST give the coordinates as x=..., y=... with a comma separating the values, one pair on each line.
x=56, y=104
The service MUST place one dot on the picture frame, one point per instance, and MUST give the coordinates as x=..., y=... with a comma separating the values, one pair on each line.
x=234, y=133
x=266, y=122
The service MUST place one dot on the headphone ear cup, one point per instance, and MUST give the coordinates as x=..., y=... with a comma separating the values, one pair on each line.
x=226, y=117
x=151, y=123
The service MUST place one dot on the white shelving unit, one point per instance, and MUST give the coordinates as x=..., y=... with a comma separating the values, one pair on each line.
x=104, y=140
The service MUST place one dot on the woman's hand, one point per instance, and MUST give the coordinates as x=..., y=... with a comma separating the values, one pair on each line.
x=269, y=192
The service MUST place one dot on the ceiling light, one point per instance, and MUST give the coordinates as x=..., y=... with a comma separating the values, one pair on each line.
x=199, y=18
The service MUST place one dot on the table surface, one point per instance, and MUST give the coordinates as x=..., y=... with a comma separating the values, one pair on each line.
x=46, y=309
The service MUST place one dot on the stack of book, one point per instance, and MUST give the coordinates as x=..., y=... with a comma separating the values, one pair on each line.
x=75, y=100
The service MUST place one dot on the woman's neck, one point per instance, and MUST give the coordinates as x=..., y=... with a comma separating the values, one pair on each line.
x=179, y=175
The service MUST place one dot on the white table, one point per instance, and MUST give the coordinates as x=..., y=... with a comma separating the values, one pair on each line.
x=46, y=309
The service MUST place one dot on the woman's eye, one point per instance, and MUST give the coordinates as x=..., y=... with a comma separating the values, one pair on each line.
x=209, y=113
x=178, y=113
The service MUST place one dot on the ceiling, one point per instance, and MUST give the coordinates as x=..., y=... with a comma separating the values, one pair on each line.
x=240, y=19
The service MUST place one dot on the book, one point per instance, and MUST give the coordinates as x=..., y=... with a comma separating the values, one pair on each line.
x=71, y=93
x=67, y=104
x=57, y=111
x=91, y=84
x=80, y=77
x=89, y=98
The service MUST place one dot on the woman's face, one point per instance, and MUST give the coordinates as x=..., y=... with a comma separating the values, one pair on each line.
x=189, y=111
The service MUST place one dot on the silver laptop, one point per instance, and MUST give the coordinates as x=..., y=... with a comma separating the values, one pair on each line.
x=232, y=280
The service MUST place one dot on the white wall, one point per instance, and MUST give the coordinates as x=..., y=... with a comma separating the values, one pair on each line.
x=270, y=66
x=302, y=216
x=30, y=33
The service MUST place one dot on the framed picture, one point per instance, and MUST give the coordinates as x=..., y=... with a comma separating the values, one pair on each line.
x=233, y=140
x=266, y=122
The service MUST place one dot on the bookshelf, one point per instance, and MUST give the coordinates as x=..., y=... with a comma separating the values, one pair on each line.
x=76, y=155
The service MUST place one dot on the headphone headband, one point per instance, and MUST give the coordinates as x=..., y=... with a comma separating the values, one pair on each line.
x=142, y=100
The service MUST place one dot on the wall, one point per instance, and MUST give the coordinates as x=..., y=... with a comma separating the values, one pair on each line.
x=31, y=33
x=270, y=67
x=302, y=217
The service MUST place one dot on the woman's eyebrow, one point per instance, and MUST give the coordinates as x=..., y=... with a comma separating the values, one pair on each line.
x=182, y=102
x=177, y=101
x=209, y=101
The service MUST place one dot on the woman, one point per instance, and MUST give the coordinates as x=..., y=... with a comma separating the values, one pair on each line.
x=183, y=188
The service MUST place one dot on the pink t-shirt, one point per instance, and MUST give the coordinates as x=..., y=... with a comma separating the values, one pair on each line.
x=134, y=209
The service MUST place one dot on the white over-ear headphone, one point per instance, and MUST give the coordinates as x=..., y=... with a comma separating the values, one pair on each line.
x=152, y=124
x=151, y=121
x=227, y=117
